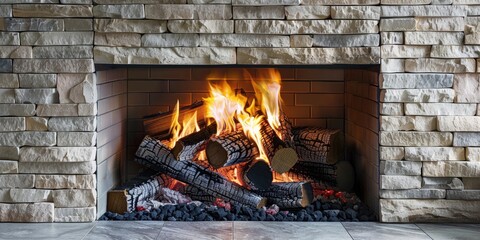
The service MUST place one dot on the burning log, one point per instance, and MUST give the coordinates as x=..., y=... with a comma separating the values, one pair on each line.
x=188, y=147
x=197, y=194
x=230, y=149
x=254, y=174
x=159, y=123
x=319, y=145
x=157, y=156
x=341, y=174
x=281, y=157
x=286, y=130
x=288, y=194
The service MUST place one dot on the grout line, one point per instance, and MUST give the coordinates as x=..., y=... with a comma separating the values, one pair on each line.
x=347, y=230
x=93, y=226
x=423, y=231
x=160, y=231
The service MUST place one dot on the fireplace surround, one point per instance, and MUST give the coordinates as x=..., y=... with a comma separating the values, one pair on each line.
x=52, y=162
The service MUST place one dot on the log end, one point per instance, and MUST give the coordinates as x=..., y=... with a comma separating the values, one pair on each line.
x=216, y=154
x=307, y=193
x=262, y=203
x=259, y=175
x=337, y=148
x=284, y=159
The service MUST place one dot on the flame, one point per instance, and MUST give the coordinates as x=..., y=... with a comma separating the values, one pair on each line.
x=251, y=126
x=267, y=92
x=189, y=125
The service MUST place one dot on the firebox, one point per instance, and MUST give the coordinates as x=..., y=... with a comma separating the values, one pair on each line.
x=343, y=98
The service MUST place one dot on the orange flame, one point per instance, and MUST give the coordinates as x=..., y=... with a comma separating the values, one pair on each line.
x=189, y=125
x=251, y=126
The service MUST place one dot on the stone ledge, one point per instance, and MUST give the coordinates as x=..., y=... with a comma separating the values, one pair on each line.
x=57, y=154
x=418, y=81
x=434, y=153
x=87, y=214
x=130, y=26
x=413, y=193
x=306, y=26
x=451, y=169
x=66, y=181
x=414, y=139
x=459, y=123
x=57, y=168
x=36, y=212
x=188, y=11
x=52, y=10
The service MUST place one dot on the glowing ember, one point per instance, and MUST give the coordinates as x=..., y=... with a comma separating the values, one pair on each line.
x=189, y=125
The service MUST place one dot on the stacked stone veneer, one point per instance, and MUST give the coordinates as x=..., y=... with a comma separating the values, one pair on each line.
x=428, y=51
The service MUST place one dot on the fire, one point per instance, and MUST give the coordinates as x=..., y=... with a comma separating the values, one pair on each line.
x=250, y=121
x=189, y=125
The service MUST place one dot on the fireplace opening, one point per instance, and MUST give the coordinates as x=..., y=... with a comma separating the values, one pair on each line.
x=341, y=98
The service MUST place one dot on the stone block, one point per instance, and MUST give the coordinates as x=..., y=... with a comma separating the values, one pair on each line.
x=405, y=51
x=440, y=24
x=17, y=181
x=70, y=124
x=7, y=166
x=361, y=55
x=451, y=169
x=9, y=153
x=414, y=139
x=472, y=38
x=463, y=194
x=188, y=11
x=405, y=2
x=6, y=11
x=393, y=109
x=57, y=110
x=243, y=40
x=37, y=80
x=12, y=124
x=79, y=24
x=472, y=153
x=407, y=168
x=57, y=168
x=400, y=182
x=467, y=87
x=355, y=12
x=9, y=80
x=118, y=39
x=455, y=51
x=27, y=138
x=265, y=2
x=56, y=38
x=9, y=38
x=439, y=210
x=130, y=26
x=131, y=11
x=87, y=109
x=459, y=123
x=424, y=11
x=52, y=10
x=77, y=88
x=72, y=198
x=7, y=96
x=38, y=95
x=391, y=38
x=341, y=2
x=15, y=52
x=36, y=124
x=29, y=195
x=6, y=65
x=413, y=193
x=408, y=123
x=433, y=109
x=201, y=26
x=63, y=52
x=306, y=26
x=466, y=139
x=170, y=40
x=57, y=154
x=87, y=214
x=417, y=95
x=446, y=2
x=65, y=181
x=34, y=24
x=473, y=10
x=397, y=25
x=392, y=153
x=440, y=65
x=76, y=139
x=200, y=55
x=434, y=153
x=391, y=65
x=20, y=110
x=307, y=12
x=471, y=183
x=412, y=80
x=434, y=38
x=297, y=41
x=442, y=183
x=32, y=212
x=345, y=40
x=262, y=12
x=54, y=66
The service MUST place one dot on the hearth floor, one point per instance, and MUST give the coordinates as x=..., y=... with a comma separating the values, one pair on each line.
x=236, y=230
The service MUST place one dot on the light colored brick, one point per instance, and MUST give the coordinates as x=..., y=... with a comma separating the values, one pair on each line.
x=36, y=124
x=9, y=153
x=420, y=81
x=200, y=55
x=405, y=2
x=414, y=139
x=34, y=24
x=472, y=38
x=118, y=39
x=307, y=12
x=87, y=214
x=12, y=124
x=262, y=12
x=7, y=166
x=57, y=168
x=392, y=153
x=440, y=65
x=87, y=109
x=56, y=38
x=65, y=181
x=27, y=138
x=171, y=40
x=408, y=123
x=16, y=52
x=391, y=38
x=17, y=181
x=6, y=11
x=345, y=40
x=407, y=168
x=392, y=65
x=451, y=169
x=131, y=11
x=397, y=25
x=37, y=80
x=76, y=88
x=297, y=41
x=52, y=10
x=74, y=198
x=17, y=110
x=433, y=109
x=417, y=95
x=306, y=26
x=63, y=52
x=31, y=212
x=355, y=12
x=72, y=124
x=265, y=2
x=340, y=2
x=463, y=194
x=9, y=38
x=53, y=66
x=442, y=183
x=434, y=38
x=36, y=95
x=8, y=80
x=440, y=24
x=243, y=40
x=459, y=123
x=7, y=96
x=413, y=193
x=423, y=11
x=130, y=26
x=201, y=26
x=400, y=182
x=188, y=11
x=76, y=139
x=395, y=109
x=57, y=110
x=455, y=52
x=466, y=139
x=473, y=153
x=57, y=154
x=78, y=24
x=434, y=153
x=29, y=195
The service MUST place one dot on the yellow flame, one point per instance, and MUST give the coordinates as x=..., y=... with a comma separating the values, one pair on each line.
x=251, y=126
x=267, y=92
x=189, y=125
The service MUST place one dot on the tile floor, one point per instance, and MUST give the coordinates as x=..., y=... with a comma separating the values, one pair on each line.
x=237, y=230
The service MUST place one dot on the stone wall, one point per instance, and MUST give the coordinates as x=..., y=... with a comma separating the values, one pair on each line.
x=429, y=116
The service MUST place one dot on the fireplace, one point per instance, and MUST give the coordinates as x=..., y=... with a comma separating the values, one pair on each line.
x=63, y=144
